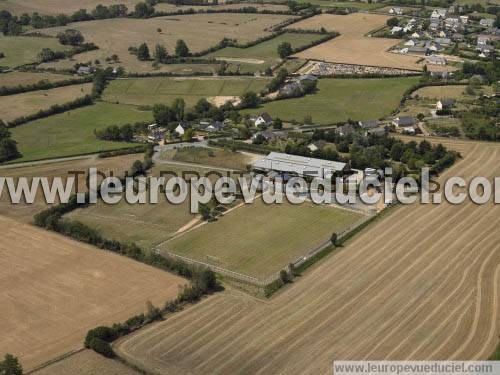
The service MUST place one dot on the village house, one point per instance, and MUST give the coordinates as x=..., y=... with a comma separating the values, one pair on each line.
x=318, y=145
x=410, y=43
x=370, y=124
x=215, y=127
x=397, y=11
x=345, y=129
x=396, y=29
x=438, y=13
x=486, y=22
x=85, y=69
x=443, y=41
x=445, y=104
x=405, y=124
x=436, y=60
x=180, y=129
x=263, y=119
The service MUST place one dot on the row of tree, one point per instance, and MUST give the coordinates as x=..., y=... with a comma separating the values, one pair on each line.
x=8, y=147
x=160, y=54
x=124, y=133
x=13, y=25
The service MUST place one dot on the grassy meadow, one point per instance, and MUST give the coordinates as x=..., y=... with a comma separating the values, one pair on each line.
x=340, y=99
x=259, y=239
x=264, y=54
x=148, y=91
x=71, y=133
x=20, y=50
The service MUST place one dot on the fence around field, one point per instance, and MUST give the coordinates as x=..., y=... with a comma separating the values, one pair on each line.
x=265, y=281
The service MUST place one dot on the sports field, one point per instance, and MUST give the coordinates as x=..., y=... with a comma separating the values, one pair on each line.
x=28, y=103
x=353, y=46
x=55, y=289
x=71, y=133
x=165, y=90
x=24, y=212
x=341, y=99
x=264, y=54
x=421, y=283
x=199, y=31
x=258, y=239
x=20, y=50
x=14, y=79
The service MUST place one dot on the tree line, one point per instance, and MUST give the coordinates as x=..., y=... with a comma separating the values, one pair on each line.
x=42, y=85
x=123, y=133
x=8, y=146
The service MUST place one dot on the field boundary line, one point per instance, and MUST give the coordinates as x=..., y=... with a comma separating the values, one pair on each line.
x=54, y=360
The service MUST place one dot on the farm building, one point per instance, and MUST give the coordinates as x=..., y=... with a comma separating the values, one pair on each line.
x=436, y=60
x=405, y=123
x=370, y=124
x=299, y=165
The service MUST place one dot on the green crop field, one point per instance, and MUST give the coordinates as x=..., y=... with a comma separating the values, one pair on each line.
x=19, y=50
x=148, y=91
x=264, y=54
x=259, y=239
x=340, y=99
x=71, y=133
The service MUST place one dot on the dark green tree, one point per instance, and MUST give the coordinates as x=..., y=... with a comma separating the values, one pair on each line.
x=10, y=366
x=143, y=52
x=285, y=49
x=181, y=48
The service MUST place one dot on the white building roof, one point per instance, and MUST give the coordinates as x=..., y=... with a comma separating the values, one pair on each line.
x=300, y=165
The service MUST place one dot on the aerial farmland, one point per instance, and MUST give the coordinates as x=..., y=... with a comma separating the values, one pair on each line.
x=204, y=187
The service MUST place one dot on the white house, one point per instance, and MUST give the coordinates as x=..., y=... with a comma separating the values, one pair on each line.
x=180, y=130
x=486, y=22
x=396, y=10
x=464, y=19
x=444, y=104
x=396, y=29
x=263, y=119
x=410, y=43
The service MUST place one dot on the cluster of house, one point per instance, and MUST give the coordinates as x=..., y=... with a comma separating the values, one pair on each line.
x=445, y=28
x=157, y=133
x=320, y=68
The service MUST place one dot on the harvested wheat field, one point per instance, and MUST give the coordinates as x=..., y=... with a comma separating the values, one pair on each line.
x=429, y=290
x=14, y=106
x=24, y=212
x=115, y=36
x=58, y=6
x=53, y=290
x=353, y=46
x=13, y=79
x=86, y=362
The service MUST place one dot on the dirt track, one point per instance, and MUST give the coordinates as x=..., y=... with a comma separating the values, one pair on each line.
x=423, y=283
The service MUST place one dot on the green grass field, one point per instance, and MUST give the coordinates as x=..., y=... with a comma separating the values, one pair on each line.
x=145, y=224
x=148, y=91
x=264, y=54
x=71, y=133
x=340, y=99
x=258, y=239
x=19, y=50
